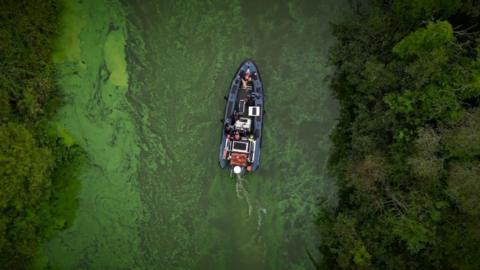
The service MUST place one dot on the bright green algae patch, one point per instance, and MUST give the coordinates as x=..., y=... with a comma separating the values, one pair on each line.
x=91, y=65
x=115, y=58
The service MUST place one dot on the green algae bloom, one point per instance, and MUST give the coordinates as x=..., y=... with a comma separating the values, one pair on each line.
x=144, y=82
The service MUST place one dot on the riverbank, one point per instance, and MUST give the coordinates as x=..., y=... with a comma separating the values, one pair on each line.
x=39, y=162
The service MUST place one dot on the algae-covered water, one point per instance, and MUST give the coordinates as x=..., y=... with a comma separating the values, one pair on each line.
x=144, y=83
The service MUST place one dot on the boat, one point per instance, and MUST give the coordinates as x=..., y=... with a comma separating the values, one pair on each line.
x=241, y=138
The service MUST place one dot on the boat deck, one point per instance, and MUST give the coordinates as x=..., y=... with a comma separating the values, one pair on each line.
x=242, y=97
x=238, y=108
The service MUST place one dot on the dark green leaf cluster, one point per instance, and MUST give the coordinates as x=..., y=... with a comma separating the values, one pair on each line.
x=406, y=150
x=38, y=172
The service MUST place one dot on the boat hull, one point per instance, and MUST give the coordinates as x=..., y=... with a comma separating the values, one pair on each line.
x=231, y=108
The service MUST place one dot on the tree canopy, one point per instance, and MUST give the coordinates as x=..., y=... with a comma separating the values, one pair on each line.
x=38, y=171
x=406, y=147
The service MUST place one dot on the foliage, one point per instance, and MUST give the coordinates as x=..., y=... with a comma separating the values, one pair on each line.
x=464, y=186
x=434, y=36
x=406, y=147
x=463, y=141
x=38, y=171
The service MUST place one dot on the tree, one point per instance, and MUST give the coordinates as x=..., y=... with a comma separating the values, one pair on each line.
x=426, y=164
x=464, y=186
x=436, y=35
x=463, y=139
x=24, y=174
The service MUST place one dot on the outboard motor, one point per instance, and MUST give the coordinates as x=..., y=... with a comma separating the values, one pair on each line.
x=238, y=170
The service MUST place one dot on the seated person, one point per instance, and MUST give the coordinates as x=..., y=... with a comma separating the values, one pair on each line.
x=247, y=77
x=229, y=128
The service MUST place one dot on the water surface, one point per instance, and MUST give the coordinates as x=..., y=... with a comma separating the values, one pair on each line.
x=146, y=101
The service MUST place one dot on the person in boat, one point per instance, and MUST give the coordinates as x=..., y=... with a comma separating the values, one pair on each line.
x=247, y=77
x=236, y=116
x=228, y=128
x=236, y=137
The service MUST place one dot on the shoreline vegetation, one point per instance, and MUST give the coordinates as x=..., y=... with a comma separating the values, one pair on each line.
x=39, y=161
x=406, y=149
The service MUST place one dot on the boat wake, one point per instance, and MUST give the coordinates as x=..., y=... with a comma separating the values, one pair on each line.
x=261, y=211
x=242, y=193
x=257, y=237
